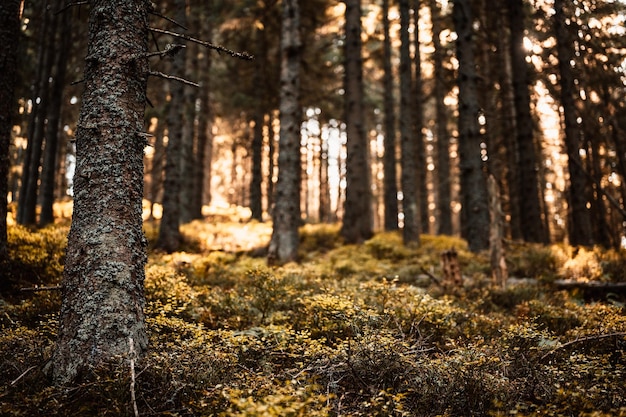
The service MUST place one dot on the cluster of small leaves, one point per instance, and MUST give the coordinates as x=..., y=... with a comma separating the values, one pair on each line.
x=346, y=332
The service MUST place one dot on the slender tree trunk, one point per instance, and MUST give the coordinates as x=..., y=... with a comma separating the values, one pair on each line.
x=271, y=139
x=474, y=198
x=357, y=215
x=30, y=184
x=48, y=174
x=256, y=194
x=389, y=156
x=36, y=88
x=528, y=183
x=103, y=297
x=408, y=141
x=511, y=198
x=444, y=195
x=188, y=159
x=205, y=135
x=418, y=125
x=156, y=172
x=286, y=216
x=169, y=232
x=580, y=230
x=9, y=38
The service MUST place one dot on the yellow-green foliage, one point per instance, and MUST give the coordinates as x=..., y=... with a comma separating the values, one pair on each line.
x=36, y=256
x=345, y=332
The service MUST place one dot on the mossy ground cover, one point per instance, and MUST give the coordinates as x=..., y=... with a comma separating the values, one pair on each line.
x=350, y=331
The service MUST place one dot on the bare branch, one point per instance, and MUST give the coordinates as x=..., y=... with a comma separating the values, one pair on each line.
x=583, y=339
x=241, y=55
x=170, y=50
x=169, y=19
x=67, y=6
x=21, y=376
x=36, y=289
x=172, y=77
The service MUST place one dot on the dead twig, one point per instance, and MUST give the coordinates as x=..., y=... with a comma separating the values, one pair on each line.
x=583, y=339
x=131, y=354
x=49, y=288
x=172, y=77
x=170, y=50
x=218, y=48
x=67, y=6
x=169, y=19
x=431, y=276
x=22, y=375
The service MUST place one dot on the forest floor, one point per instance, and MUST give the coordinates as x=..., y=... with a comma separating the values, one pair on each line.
x=351, y=330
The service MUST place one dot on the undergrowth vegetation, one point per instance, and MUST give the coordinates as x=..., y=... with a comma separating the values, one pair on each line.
x=350, y=331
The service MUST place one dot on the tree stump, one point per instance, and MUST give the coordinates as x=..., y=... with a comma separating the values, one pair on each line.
x=497, y=257
x=450, y=269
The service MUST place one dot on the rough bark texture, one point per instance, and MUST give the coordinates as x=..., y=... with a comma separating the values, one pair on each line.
x=475, y=213
x=408, y=141
x=103, y=295
x=357, y=217
x=389, y=156
x=580, y=230
x=9, y=36
x=444, y=218
x=286, y=216
x=48, y=173
x=169, y=231
x=527, y=181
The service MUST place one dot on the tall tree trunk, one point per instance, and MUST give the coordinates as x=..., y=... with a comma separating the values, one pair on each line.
x=444, y=195
x=474, y=198
x=357, y=215
x=48, y=173
x=103, y=296
x=510, y=194
x=579, y=222
x=256, y=194
x=169, y=232
x=205, y=135
x=156, y=171
x=418, y=125
x=9, y=38
x=408, y=141
x=283, y=245
x=188, y=161
x=27, y=210
x=389, y=156
x=271, y=140
x=527, y=181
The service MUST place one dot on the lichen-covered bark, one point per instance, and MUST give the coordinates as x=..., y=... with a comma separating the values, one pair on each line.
x=103, y=295
x=357, y=218
x=527, y=180
x=580, y=230
x=9, y=36
x=389, y=156
x=408, y=141
x=286, y=215
x=474, y=199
